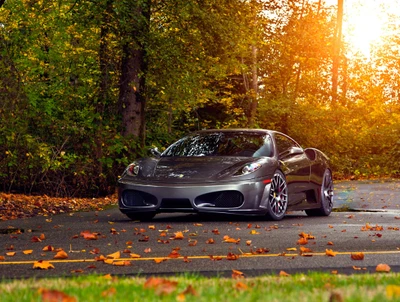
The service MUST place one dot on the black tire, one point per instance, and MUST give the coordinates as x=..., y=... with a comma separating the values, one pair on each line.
x=278, y=197
x=141, y=216
x=326, y=197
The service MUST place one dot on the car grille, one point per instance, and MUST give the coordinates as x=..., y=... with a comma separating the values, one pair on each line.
x=131, y=198
x=223, y=199
x=176, y=203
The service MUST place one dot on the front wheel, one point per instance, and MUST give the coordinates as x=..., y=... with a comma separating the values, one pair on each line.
x=278, y=197
x=326, y=198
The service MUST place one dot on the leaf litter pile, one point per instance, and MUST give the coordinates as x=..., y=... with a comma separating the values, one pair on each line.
x=15, y=206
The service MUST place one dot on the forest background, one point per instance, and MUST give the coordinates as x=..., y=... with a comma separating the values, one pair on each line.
x=88, y=86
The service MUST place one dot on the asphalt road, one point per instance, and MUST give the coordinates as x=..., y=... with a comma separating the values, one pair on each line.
x=367, y=221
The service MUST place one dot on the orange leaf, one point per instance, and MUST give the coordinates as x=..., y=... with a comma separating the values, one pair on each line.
x=159, y=260
x=357, y=256
x=283, y=274
x=178, y=236
x=50, y=295
x=2, y=258
x=147, y=250
x=122, y=263
x=306, y=236
x=100, y=258
x=42, y=265
x=160, y=285
x=36, y=239
x=302, y=241
x=232, y=256
x=383, y=268
x=88, y=235
x=330, y=253
x=28, y=252
x=330, y=243
x=61, y=255
x=135, y=256
x=115, y=255
x=237, y=274
x=216, y=258
x=241, y=286
x=248, y=242
x=42, y=237
x=11, y=254
x=210, y=241
x=186, y=259
x=174, y=254
x=193, y=243
x=305, y=250
x=48, y=248
x=231, y=240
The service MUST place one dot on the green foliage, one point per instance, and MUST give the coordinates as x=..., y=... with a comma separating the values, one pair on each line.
x=60, y=79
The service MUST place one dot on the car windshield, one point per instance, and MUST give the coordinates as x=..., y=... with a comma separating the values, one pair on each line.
x=238, y=143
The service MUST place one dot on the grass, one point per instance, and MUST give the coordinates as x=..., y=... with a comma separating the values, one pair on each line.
x=300, y=287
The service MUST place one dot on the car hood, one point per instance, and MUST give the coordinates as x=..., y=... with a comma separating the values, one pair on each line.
x=189, y=169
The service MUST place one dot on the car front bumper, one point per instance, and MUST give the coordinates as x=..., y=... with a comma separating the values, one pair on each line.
x=242, y=197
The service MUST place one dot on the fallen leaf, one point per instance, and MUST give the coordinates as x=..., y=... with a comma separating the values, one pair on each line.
x=231, y=240
x=109, y=292
x=61, y=255
x=174, y=254
x=42, y=265
x=306, y=236
x=2, y=258
x=330, y=253
x=283, y=274
x=135, y=256
x=147, y=250
x=248, y=242
x=215, y=258
x=36, y=239
x=159, y=260
x=241, y=286
x=87, y=235
x=161, y=286
x=357, y=256
x=383, y=268
x=186, y=259
x=77, y=271
x=178, y=236
x=122, y=263
x=48, y=248
x=302, y=241
x=11, y=254
x=291, y=249
x=27, y=252
x=305, y=250
x=52, y=295
x=42, y=237
x=254, y=232
x=192, y=242
x=330, y=243
x=210, y=241
x=115, y=255
x=232, y=256
x=237, y=274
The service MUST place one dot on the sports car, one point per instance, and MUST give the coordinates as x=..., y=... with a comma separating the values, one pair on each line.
x=232, y=171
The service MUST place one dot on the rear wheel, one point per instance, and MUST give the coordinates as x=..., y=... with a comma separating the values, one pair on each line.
x=278, y=197
x=326, y=197
x=141, y=216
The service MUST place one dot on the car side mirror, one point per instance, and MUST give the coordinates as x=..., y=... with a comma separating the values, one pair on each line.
x=291, y=152
x=155, y=152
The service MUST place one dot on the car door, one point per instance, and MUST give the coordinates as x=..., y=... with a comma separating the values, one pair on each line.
x=295, y=165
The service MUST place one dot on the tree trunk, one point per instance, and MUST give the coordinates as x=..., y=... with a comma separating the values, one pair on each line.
x=336, y=50
x=254, y=89
x=133, y=72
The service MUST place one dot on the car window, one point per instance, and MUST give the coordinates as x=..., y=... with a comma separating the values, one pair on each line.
x=236, y=143
x=284, y=143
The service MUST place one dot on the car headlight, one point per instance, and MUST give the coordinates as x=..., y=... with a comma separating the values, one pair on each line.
x=250, y=168
x=132, y=169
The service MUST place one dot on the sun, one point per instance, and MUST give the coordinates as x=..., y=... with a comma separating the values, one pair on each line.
x=363, y=25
